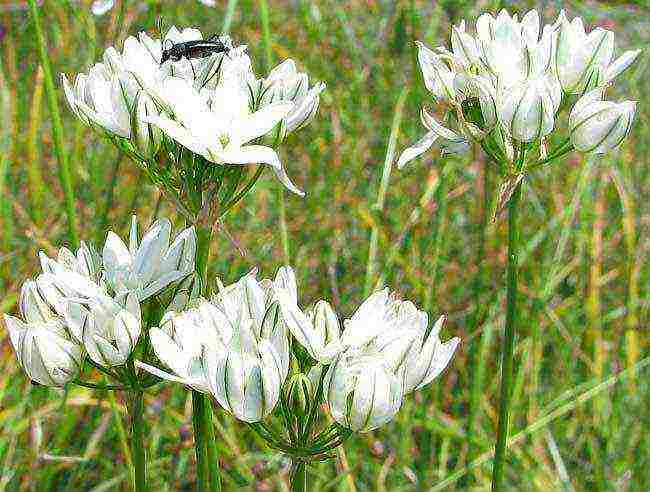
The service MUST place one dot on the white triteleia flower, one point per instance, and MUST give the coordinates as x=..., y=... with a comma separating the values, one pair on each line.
x=219, y=125
x=386, y=353
x=148, y=266
x=318, y=330
x=234, y=346
x=108, y=330
x=527, y=109
x=584, y=60
x=599, y=126
x=450, y=142
x=45, y=350
x=285, y=83
x=362, y=393
x=86, y=262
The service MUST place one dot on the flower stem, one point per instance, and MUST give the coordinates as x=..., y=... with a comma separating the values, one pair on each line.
x=477, y=346
x=137, y=441
x=65, y=176
x=509, y=342
x=207, y=459
x=299, y=477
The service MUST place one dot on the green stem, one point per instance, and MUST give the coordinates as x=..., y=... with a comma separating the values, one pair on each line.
x=207, y=457
x=65, y=176
x=202, y=473
x=509, y=342
x=437, y=233
x=476, y=379
x=137, y=441
x=299, y=477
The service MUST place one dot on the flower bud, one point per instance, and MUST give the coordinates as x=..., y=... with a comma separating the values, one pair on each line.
x=438, y=77
x=599, y=126
x=145, y=137
x=579, y=55
x=527, y=110
x=362, y=393
x=45, y=351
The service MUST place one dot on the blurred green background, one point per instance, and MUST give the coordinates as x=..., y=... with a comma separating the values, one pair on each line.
x=581, y=417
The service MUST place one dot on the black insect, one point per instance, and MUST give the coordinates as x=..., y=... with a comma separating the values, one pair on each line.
x=199, y=48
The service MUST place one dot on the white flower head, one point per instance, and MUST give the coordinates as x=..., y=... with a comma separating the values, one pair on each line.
x=219, y=125
x=148, y=266
x=45, y=350
x=599, y=126
x=386, y=353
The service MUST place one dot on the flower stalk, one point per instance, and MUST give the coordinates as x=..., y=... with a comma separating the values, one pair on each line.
x=138, y=452
x=207, y=460
x=507, y=357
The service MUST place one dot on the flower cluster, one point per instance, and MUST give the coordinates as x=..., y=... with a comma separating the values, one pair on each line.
x=506, y=85
x=236, y=347
x=205, y=115
x=86, y=304
x=383, y=352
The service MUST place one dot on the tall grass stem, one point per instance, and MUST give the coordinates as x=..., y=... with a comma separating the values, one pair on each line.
x=65, y=176
x=137, y=441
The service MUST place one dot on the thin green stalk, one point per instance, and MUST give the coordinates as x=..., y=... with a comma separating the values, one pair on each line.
x=230, y=14
x=207, y=457
x=383, y=188
x=202, y=473
x=507, y=361
x=137, y=441
x=476, y=377
x=299, y=477
x=65, y=176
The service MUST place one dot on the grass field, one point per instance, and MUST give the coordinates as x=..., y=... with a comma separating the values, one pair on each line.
x=581, y=410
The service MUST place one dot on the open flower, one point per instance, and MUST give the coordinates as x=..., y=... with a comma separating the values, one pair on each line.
x=234, y=346
x=147, y=267
x=386, y=353
x=583, y=60
x=220, y=126
x=599, y=126
x=285, y=83
x=108, y=330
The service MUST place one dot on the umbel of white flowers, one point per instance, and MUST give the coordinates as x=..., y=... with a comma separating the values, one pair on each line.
x=215, y=109
x=87, y=304
x=236, y=347
x=506, y=84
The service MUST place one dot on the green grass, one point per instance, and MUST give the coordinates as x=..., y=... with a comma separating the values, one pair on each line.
x=580, y=405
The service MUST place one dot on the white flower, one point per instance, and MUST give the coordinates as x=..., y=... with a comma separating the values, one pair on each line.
x=44, y=350
x=438, y=76
x=585, y=60
x=599, y=126
x=284, y=83
x=234, y=346
x=527, y=109
x=451, y=142
x=86, y=262
x=219, y=125
x=107, y=330
x=362, y=393
x=147, y=267
x=99, y=99
x=386, y=353
x=318, y=331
